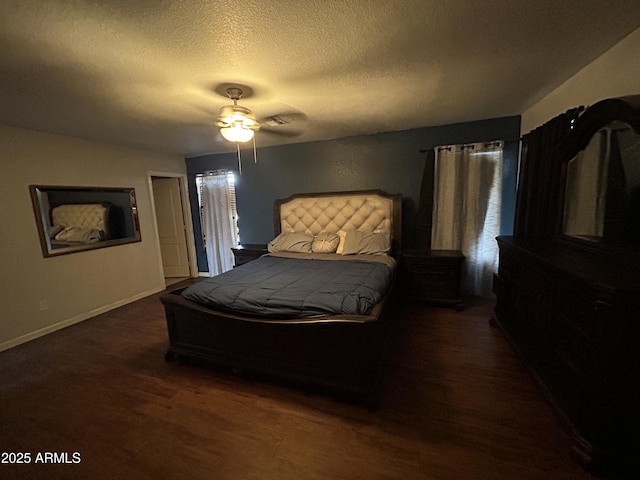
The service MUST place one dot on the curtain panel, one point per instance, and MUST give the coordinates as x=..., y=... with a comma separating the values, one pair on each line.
x=466, y=210
x=218, y=222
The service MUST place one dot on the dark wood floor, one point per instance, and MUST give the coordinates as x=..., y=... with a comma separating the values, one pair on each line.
x=456, y=404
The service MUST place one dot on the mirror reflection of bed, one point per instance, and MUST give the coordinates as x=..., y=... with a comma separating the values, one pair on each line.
x=73, y=224
x=71, y=219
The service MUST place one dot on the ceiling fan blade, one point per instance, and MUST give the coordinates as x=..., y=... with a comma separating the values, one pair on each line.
x=284, y=118
x=279, y=131
x=286, y=124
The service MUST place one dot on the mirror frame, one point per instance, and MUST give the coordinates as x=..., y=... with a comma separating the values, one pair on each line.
x=42, y=218
x=599, y=115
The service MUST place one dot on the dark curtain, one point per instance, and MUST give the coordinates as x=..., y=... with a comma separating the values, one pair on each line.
x=541, y=174
x=422, y=236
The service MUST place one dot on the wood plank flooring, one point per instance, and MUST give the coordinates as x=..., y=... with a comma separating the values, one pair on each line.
x=456, y=404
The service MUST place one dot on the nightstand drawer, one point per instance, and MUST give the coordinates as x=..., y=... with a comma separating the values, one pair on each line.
x=433, y=275
x=434, y=272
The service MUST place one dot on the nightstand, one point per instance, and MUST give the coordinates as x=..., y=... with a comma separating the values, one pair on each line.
x=433, y=276
x=245, y=253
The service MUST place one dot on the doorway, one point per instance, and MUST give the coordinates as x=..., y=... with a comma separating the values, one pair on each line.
x=173, y=228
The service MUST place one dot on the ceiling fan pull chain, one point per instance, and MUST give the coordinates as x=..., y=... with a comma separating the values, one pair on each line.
x=239, y=160
x=255, y=155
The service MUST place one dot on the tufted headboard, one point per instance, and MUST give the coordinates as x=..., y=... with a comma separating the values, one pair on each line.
x=84, y=216
x=365, y=210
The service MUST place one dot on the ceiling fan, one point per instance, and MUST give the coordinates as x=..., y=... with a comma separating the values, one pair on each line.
x=238, y=124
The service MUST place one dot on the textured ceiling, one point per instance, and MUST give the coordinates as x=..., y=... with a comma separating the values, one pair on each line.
x=151, y=73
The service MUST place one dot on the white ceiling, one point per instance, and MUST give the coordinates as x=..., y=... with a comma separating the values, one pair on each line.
x=151, y=73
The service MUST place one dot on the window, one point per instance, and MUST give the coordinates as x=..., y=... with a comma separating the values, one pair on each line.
x=219, y=219
x=466, y=209
x=231, y=180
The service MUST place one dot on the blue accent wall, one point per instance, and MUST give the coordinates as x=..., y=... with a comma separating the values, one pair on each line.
x=390, y=161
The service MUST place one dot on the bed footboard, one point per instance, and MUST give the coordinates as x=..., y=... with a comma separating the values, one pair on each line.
x=343, y=354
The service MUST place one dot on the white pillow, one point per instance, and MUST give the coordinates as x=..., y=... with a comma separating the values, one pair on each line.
x=291, y=242
x=374, y=243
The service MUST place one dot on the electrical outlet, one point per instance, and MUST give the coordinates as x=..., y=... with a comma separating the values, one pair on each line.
x=43, y=305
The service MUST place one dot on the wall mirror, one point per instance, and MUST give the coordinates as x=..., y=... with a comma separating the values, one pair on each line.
x=602, y=196
x=75, y=219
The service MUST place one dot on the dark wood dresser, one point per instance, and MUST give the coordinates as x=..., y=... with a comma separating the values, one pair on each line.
x=568, y=286
x=574, y=319
x=433, y=276
x=245, y=253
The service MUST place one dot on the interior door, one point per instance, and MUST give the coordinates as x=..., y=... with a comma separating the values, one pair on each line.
x=171, y=227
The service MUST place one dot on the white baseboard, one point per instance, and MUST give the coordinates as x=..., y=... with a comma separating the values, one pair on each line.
x=73, y=320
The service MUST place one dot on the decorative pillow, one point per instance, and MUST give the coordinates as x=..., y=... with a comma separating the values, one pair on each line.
x=291, y=242
x=325, y=242
x=371, y=243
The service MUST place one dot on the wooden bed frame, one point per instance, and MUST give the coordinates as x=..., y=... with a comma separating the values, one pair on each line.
x=342, y=353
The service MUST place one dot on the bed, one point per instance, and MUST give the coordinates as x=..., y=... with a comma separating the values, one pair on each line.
x=338, y=348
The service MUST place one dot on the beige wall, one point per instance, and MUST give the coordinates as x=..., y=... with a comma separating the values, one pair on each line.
x=614, y=74
x=80, y=285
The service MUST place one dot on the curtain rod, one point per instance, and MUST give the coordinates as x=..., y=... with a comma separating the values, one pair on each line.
x=220, y=171
x=494, y=143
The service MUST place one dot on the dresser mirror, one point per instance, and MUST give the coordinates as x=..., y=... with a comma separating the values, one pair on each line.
x=76, y=219
x=602, y=191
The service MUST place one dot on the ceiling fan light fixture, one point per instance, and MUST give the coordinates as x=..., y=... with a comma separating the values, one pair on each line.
x=237, y=133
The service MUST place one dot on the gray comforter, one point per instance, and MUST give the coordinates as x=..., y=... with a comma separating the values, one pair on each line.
x=295, y=288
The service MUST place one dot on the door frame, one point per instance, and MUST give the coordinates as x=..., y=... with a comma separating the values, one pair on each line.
x=186, y=212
